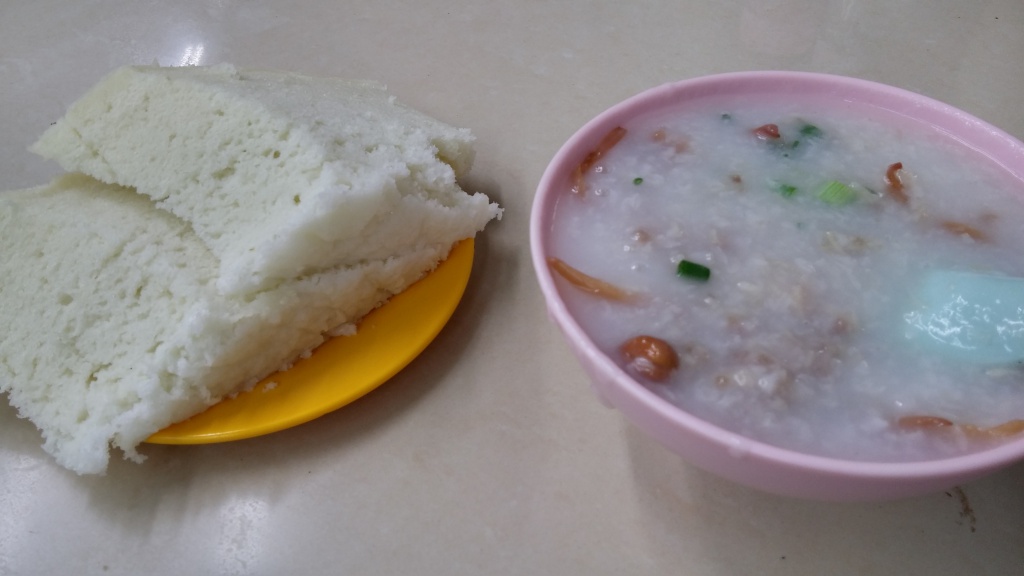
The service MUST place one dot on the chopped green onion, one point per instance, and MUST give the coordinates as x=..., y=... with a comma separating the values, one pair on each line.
x=726, y=117
x=638, y=180
x=810, y=130
x=692, y=270
x=786, y=190
x=837, y=193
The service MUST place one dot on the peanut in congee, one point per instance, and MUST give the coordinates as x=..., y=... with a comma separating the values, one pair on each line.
x=753, y=262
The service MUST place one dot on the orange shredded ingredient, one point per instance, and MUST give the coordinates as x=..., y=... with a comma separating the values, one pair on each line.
x=579, y=184
x=589, y=284
x=768, y=132
x=1011, y=428
x=1004, y=430
x=895, y=183
x=923, y=422
x=961, y=229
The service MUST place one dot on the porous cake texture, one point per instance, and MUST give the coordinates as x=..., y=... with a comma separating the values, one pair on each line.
x=279, y=174
x=111, y=343
x=216, y=225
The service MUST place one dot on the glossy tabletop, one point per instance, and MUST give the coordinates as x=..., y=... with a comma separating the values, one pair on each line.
x=488, y=454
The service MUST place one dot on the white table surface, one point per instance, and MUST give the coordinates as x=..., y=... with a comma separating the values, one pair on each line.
x=488, y=454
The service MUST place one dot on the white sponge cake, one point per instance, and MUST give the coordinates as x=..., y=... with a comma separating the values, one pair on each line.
x=279, y=174
x=115, y=327
x=218, y=225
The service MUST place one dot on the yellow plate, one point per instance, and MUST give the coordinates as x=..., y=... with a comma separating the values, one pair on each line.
x=342, y=369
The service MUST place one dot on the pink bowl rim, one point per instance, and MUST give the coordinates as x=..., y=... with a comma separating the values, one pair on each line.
x=999, y=146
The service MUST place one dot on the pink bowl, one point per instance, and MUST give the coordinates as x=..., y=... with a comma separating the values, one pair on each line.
x=715, y=449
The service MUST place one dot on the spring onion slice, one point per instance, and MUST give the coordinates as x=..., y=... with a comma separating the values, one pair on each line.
x=786, y=190
x=692, y=270
x=837, y=193
x=810, y=130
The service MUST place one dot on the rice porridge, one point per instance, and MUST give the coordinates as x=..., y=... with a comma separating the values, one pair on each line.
x=753, y=261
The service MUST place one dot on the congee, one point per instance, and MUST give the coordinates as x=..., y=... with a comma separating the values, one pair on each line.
x=754, y=261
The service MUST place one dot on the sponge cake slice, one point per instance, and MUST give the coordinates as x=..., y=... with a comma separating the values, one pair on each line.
x=279, y=174
x=115, y=328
